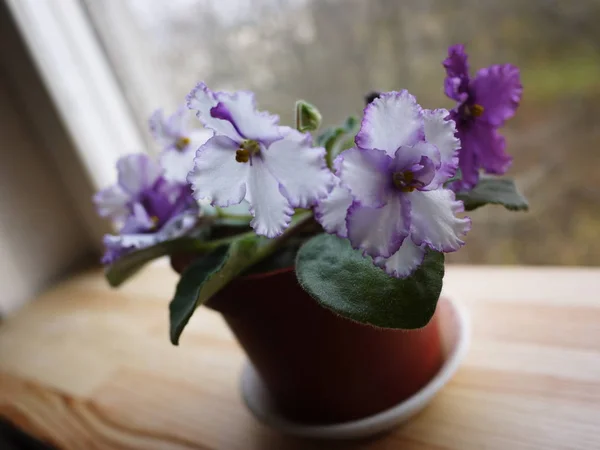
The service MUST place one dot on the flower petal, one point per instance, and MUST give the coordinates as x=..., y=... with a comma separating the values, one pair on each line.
x=434, y=222
x=239, y=109
x=456, y=84
x=198, y=138
x=300, y=168
x=405, y=261
x=118, y=246
x=112, y=202
x=202, y=100
x=159, y=129
x=216, y=175
x=177, y=123
x=331, y=211
x=137, y=172
x=482, y=146
x=456, y=64
x=139, y=221
x=456, y=88
x=366, y=173
x=492, y=157
x=379, y=231
x=440, y=131
x=498, y=89
x=271, y=210
x=424, y=172
x=390, y=121
x=178, y=163
x=407, y=156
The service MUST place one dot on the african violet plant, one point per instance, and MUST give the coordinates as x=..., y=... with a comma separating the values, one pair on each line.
x=365, y=213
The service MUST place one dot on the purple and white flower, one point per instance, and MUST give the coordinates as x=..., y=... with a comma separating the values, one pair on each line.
x=145, y=207
x=253, y=158
x=485, y=102
x=178, y=142
x=390, y=199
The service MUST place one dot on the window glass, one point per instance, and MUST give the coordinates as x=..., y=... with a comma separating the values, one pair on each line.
x=332, y=52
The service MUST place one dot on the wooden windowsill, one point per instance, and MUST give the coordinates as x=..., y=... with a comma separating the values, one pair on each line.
x=88, y=367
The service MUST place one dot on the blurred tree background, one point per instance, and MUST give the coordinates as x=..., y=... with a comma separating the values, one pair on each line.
x=332, y=52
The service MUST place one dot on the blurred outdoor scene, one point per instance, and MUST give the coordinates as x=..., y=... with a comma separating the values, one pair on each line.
x=332, y=52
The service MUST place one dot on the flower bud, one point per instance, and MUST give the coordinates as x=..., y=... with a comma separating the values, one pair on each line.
x=308, y=117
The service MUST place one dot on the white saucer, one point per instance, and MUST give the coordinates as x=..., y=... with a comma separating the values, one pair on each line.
x=456, y=334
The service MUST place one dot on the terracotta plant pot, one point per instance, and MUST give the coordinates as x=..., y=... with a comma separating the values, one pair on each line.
x=318, y=367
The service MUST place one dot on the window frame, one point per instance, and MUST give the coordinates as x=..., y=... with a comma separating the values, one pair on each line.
x=81, y=82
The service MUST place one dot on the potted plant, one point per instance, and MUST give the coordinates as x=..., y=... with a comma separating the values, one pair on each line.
x=325, y=256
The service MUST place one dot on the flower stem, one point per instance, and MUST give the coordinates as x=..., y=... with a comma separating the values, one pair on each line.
x=207, y=246
x=298, y=223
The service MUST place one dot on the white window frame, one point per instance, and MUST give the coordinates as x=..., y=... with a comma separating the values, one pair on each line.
x=81, y=82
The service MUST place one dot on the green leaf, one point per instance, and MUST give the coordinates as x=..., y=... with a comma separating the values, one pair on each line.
x=208, y=275
x=497, y=191
x=205, y=277
x=128, y=265
x=337, y=139
x=341, y=279
x=189, y=287
x=283, y=258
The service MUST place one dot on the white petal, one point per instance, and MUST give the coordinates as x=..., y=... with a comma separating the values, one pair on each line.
x=202, y=100
x=434, y=220
x=112, y=202
x=199, y=137
x=216, y=175
x=405, y=261
x=366, y=174
x=240, y=109
x=137, y=172
x=177, y=164
x=271, y=210
x=442, y=133
x=174, y=228
x=160, y=130
x=178, y=225
x=178, y=121
x=331, y=212
x=379, y=231
x=131, y=241
x=299, y=168
x=390, y=121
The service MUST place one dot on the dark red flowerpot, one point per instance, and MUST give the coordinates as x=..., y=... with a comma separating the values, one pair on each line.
x=321, y=368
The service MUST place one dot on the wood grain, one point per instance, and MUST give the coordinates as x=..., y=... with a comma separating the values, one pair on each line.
x=86, y=367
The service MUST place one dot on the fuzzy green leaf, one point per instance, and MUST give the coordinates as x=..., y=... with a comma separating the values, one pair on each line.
x=209, y=274
x=337, y=139
x=128, y=265
x=205, y=277
x=341, y=279
x=497, y=191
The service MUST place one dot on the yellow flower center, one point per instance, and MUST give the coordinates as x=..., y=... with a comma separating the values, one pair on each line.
x=248, y=148
x=155, y=221
x=182, y=143
x=404, y=181
x=474, y=110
